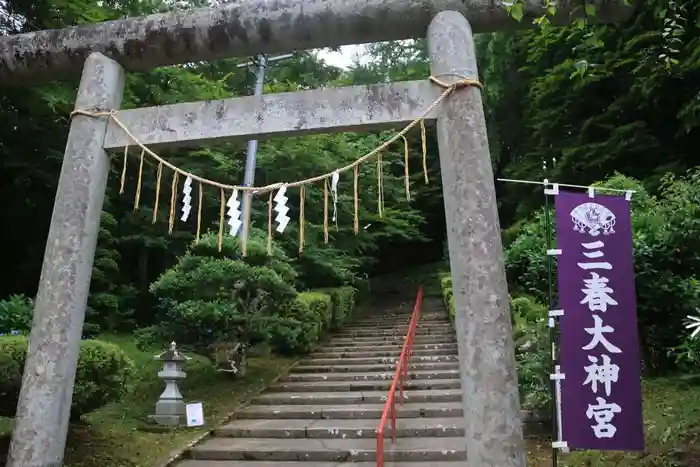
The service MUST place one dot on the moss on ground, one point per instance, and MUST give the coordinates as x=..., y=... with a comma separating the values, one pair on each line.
x=112, y=436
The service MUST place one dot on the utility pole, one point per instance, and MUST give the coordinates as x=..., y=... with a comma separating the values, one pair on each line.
x=260, y=61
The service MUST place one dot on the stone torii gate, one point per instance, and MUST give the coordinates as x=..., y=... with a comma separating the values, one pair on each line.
x=493, y=433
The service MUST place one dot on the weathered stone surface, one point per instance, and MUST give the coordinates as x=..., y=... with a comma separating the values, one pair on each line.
x=200, y=463
x=390, y=347
x=381, y=353
x=351, y=108
x=369, y=385
x=494, y=436
x=343, y=429
x=251, y=27
x=359, y=397
x=265, y=449
x=388, y=366
x=350, y=411
x=368, y=340
x=41, y=423
x=372, y=376
x=371, y=360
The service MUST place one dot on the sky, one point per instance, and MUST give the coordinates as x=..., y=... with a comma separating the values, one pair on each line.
x=343, y=59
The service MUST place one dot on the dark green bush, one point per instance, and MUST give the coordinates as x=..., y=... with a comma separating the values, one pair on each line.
x=210, y=296
x=101, y=377
x=446, y=286
x=530, y=333
x=343, y=304
x=311, y=314
x=16, y=314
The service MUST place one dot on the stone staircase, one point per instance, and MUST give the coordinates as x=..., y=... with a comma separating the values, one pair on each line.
x=325, y=413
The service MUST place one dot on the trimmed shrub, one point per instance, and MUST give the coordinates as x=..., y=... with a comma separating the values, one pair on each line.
x=531, y=337
x=211, y=296
x=311, y=314
x=446, y=286
x=343, y=301
x=101, y=377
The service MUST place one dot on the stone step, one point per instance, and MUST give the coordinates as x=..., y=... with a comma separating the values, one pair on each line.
x=389, y=347
x=393, y=332
x=384, y=340
x=382, y=367
x=341, y=429
x=375, y=385
x=375, y=360
x=371, y=376
x=347, y=450
x=350, y=411
x=358, y=397
x=392, y=318
x=359, y=326
x=200, y=463
x=381, y=353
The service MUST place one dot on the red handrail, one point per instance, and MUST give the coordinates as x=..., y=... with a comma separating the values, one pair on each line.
x=401, y=374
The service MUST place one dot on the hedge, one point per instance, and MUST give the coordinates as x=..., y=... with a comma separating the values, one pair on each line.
x=446, y=286
x=307, y=321
x=344, y=301
x=531, y=337
x=101, y=376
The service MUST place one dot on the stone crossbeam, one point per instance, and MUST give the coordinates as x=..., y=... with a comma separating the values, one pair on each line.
x=351, y=108
x=249, y=27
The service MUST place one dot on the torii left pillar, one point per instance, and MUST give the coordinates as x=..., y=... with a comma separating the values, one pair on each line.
x=43, y=411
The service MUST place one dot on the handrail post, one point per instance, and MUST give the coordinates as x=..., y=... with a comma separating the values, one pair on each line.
x=393, y=421
x=399, y=365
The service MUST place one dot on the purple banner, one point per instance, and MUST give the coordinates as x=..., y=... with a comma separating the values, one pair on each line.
x=601, y=394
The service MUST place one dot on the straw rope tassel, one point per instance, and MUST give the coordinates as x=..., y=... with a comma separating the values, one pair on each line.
x=406, y=173
x=199, y=211
x=159, y=176
x=302, y=194
x=269, y=224
x=325, y=211
x=222, y=195
x=138, y=184
x=357, y=221
x=123, y=178
x=173, y=193
x=380, y=187
x=424, y=146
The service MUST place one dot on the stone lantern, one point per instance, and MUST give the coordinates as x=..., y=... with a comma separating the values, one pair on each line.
x=170, y=408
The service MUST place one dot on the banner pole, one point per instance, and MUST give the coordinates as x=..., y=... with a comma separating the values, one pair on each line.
x=552, y=332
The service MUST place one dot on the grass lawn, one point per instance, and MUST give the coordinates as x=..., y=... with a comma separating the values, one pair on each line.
x=112, y=436
x=672, y=423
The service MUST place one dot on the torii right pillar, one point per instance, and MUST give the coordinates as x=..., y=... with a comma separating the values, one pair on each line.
x=490, y=398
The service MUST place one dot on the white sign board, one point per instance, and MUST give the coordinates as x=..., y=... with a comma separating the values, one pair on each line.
x=195, y=414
